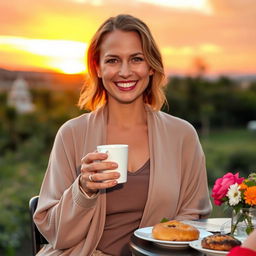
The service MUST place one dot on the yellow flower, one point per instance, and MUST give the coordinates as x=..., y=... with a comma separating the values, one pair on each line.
x=250, y=195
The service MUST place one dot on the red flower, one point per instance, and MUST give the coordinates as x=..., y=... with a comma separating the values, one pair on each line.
x=222, y=185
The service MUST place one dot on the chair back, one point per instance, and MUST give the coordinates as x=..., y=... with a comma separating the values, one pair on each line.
x=38, y=239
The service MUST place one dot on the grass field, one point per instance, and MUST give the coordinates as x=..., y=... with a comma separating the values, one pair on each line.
x=227, y=141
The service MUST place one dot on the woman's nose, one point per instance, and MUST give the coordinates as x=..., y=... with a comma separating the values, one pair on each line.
x=125, y=70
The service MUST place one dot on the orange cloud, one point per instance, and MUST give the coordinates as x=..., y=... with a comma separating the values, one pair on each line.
x=224, y=37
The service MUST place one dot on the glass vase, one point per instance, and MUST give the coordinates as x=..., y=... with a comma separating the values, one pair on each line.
x=243, y=222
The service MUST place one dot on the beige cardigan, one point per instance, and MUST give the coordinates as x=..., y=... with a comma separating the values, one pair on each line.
x=73, y=223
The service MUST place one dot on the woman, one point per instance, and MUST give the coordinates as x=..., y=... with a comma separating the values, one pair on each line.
x=77, y=212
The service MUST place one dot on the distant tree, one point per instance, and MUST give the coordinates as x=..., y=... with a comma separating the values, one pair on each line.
x=199, y=67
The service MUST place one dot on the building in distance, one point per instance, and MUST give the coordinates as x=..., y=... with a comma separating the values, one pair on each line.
x=19, y=97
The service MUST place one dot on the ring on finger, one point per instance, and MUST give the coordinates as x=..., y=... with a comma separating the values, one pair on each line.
x=91, y=178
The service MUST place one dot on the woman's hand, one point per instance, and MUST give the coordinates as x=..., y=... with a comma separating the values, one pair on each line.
x=92, y=177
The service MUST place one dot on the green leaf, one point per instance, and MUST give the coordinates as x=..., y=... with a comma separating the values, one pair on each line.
x=250, y=183
x=225, y=199
x=249, y=230
x=237, y=208
x=164, y=220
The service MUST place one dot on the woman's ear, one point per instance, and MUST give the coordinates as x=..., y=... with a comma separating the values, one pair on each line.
x=151, y=72
x=98, y=71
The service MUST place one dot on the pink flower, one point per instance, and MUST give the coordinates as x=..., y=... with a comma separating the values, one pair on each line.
x=222, y=185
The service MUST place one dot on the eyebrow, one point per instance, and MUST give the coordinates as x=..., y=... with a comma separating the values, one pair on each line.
x=116, y=56
x=137, y=53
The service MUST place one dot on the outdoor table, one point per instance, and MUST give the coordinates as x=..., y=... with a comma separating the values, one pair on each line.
x=140, y=247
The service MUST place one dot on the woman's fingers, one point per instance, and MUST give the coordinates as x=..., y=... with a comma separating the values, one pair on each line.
x=93, y=176
x=103, y=176
x=92, y=182
x=98, y=166
x=94, y=156
x=89, y=178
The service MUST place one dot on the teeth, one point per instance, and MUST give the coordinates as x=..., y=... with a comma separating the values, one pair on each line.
x=126, y=85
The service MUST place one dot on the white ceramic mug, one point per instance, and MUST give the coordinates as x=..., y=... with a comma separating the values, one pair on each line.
x=117, y=153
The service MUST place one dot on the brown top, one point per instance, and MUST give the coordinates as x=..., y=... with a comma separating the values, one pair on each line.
x=124, y=209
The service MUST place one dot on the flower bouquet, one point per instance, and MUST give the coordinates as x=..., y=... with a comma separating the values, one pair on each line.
x=240, y=194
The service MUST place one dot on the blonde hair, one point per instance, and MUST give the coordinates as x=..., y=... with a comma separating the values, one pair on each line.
x=93, y=93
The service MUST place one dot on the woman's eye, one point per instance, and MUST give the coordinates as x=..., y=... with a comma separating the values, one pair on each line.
x=111, y=61
x=137, y=59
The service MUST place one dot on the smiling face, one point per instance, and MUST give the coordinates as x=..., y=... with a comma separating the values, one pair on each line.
x=122, y=67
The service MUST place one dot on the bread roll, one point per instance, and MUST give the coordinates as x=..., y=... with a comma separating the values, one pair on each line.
x=175, y=231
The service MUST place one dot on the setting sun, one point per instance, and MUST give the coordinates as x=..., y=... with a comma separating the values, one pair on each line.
x=59, y=55
x=69, y=66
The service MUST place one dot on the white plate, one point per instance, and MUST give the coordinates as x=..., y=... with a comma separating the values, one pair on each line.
x=197, y=246
x=146, y=234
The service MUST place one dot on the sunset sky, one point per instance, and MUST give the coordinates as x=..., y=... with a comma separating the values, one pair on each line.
x=54, y=34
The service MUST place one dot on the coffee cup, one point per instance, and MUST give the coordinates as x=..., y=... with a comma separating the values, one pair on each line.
x=117, y=153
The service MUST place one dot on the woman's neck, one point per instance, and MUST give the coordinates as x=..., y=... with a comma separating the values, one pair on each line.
x=126, y=115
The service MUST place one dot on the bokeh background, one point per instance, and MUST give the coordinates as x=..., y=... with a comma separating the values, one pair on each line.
x=209, y=52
